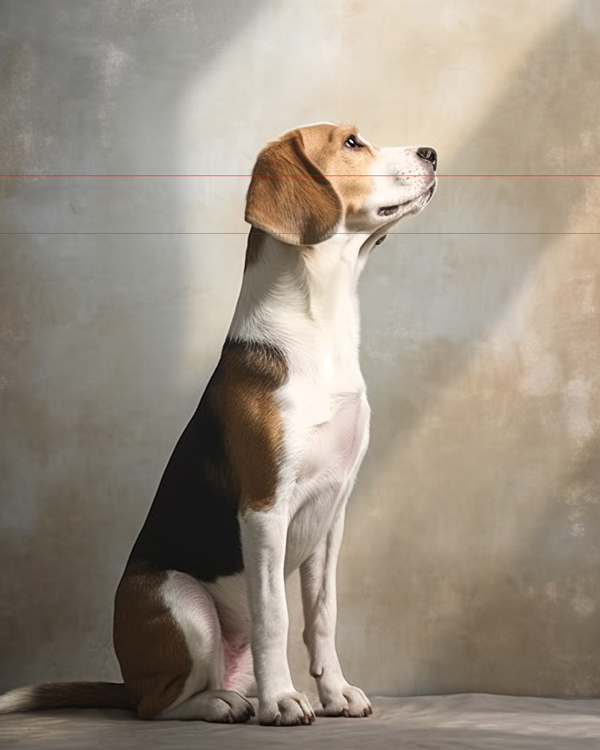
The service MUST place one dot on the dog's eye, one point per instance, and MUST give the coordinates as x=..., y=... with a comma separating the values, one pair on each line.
x=351, y=142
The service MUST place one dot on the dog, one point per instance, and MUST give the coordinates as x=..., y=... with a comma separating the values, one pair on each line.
x=258, y=483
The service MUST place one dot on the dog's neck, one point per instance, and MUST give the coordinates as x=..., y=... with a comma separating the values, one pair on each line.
x=294, y=297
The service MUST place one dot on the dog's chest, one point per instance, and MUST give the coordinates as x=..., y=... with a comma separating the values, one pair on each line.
x=332, y=446
x=324, y=456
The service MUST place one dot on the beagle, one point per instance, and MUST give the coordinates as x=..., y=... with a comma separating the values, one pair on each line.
x=258, y=483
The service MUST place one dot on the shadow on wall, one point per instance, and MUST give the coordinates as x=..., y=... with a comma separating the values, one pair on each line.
x=89, y=90
x=471, y=458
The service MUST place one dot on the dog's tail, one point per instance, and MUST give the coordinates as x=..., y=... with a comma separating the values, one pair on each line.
x=65, y=695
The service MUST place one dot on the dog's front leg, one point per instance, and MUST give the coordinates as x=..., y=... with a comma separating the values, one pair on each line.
x=263, y=536
x=319, y=598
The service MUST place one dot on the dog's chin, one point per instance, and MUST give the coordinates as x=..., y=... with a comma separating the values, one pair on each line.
x=423, y=200
x=414, y=206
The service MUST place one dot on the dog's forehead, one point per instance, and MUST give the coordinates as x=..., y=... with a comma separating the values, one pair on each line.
x=321, y=134
x=324, y=145
x=325, y=135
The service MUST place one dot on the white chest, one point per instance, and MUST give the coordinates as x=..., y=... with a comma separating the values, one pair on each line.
x=325, y=457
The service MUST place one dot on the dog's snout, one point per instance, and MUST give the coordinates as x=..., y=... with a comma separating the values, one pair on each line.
x=428, y=154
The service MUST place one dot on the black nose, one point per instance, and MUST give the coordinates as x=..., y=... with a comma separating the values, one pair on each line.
x=429, y=154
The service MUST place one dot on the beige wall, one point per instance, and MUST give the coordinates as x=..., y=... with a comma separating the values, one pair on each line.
x=471, y=559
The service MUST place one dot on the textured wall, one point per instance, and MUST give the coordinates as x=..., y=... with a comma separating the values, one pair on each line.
x=471, y=559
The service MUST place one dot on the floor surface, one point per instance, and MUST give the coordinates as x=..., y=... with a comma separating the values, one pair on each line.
x=468, y=722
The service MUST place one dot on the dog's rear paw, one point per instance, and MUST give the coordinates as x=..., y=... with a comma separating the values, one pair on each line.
x=286, y=709
x=228, y=707
x=348, y=701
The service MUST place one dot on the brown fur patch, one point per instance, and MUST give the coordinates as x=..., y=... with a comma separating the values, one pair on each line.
x=288, y=196
x=242, y=396
x=347, y=169
x=149, y=644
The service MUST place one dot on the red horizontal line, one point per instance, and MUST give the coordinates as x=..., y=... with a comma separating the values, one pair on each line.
x=295, y=175
x=337, y=233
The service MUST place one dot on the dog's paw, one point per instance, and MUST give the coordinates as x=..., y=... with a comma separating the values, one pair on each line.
x=227, y=707
x=348, y=701
x=286, y=709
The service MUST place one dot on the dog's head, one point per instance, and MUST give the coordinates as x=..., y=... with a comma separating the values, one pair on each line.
x=318, y=180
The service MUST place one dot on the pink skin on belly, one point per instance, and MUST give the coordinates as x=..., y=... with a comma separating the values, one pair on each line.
x=238, y=673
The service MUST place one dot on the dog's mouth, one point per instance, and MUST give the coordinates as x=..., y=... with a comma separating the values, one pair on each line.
x=391, y=210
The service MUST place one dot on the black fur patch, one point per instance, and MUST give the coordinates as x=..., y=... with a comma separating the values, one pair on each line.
x=192, y=525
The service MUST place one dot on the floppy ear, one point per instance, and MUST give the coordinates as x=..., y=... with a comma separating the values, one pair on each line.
x=289, y=197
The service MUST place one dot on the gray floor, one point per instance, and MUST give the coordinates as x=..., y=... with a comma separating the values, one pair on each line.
x=469, y=722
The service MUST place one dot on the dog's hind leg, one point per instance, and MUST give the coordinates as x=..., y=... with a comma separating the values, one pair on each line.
x=169, y=643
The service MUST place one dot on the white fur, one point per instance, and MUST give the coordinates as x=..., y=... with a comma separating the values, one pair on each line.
x=194, y=610
x=20, y=699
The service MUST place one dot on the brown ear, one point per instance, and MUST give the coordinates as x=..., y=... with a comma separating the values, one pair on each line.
x=289, y=196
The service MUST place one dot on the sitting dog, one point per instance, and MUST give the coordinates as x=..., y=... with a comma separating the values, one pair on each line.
x=258, y=483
